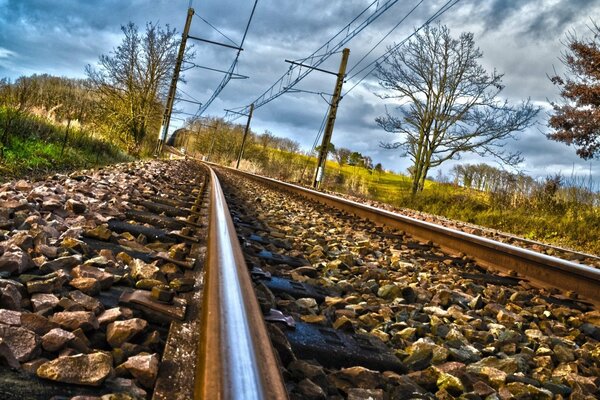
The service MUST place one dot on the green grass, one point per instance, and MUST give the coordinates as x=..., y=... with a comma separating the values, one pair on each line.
x=37, y=150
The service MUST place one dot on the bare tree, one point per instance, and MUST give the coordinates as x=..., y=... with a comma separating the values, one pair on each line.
x=132, y=80
x=448, y=102
x=342, y=155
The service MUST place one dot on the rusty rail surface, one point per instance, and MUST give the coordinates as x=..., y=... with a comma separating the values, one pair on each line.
x=540, y=269
x=236, y=358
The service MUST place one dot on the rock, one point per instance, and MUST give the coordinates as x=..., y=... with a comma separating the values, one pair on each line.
x=482, y=389
x=364, y=394
x=7, y=355
x=88, y=271
x=23, y=343
x=389, y=292
x=148, y=284
x=450, y=383
x=141, y=270
x=64, y=263
x=36, y=323
x=56, y=339
x=10, y=317
x=87, y=302
x=492, y=376
x=52, y=282
x=356, y=377
x=88, y=286
x=15, y=260
x=101, y=232
x=31, y=366
x=10, y=297
x=110, y=315
x=42, y=301
x=75, y=206
x=21, y=239
x=563, y=353
x=124, y=386
x=314, y=319
x=119, y=332
x=47, y=251
x=81, y=369
x=143, y=367
x=72, y=320
x=178, y=251
x=310, y=390
x=306, y=303
x=525, y=391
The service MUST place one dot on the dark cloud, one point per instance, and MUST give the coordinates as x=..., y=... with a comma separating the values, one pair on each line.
x=520, y=38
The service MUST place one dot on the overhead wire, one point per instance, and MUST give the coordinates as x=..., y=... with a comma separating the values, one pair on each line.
x=215, y=28
x=448, y=5
x=231, y=69
x=285, y=82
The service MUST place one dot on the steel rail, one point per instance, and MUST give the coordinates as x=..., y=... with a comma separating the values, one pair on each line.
x=236, y=358
x=541, y=269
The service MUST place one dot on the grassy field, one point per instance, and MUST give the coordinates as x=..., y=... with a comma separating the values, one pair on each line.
x=567, y=224
x=35, y=149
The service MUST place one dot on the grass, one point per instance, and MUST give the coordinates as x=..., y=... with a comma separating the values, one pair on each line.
x=37, y=150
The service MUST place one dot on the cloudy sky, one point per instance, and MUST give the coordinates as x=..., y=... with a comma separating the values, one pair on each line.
x=520, y=38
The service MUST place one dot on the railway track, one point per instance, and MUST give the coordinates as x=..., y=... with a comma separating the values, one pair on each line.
x=298, y=295
x=390, y=307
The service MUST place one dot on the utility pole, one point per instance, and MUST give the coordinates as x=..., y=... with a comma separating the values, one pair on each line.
x=162, y=138
x=241, y=154
x=337, y=95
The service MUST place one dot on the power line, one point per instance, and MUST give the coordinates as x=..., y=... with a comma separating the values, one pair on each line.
x=221, y=33
x=349, y=31
x=448, y=5
x=230, y=72
x=385, y=36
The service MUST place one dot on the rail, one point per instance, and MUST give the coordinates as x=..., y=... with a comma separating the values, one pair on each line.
x=540, y=269
x=236, y=358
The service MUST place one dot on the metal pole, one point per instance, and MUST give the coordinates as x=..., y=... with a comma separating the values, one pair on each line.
x=337, y=93
x=162, y=138
x=240, y=155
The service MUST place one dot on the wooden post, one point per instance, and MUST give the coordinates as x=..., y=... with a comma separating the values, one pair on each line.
x=337, y=94
x=241, y=153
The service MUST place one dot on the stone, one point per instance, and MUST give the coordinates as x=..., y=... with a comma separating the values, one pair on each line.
x=563, y=353
x=356, y=377
x=310, y=390
x=101, y=232
x=365, y=394
x=450, y=383
x=15, y=260
x=89, y=303
x=119, y=332
x=41, y=301
x=24, y=344
x=143, y=367
x=110, y=315
x=64, y=263
x=314, y=319
x=81, y=369
x=389, y=292
x=56, y=339
x=31, y=366
x=36, y=323
x=525, y=391
x=10, y=297
x=7, y=355
x=72, y=320
x=141, y=270
x=89, y=271
x=75, y=206
x=306, y=303
x=148, y=284
x=178, y=251
x=10, y=317
x=50, y=283
x=89, y=286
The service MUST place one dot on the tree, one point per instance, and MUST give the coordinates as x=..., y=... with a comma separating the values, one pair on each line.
x=577, y=120
x=132, y=80
x=330, y=149
x=341, y=155
x=448, y=103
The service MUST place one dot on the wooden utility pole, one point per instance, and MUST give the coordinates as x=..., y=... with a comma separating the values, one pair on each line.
x=162, y=135
x=241, y=153
x=337, y=94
